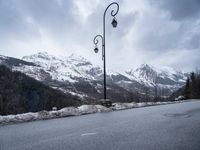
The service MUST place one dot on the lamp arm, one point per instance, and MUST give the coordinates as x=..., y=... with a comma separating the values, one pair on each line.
x=96, y=41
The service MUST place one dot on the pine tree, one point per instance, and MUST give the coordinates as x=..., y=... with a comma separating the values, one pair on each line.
x=1, y=105
x=194, y=88
x=187, y=89
x=198, y=86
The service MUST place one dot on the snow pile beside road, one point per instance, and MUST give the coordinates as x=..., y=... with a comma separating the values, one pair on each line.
x=121, y=106
x=19, y=118
x=68, y=111
x=90, y=109
x=42, y=115
x=101, y=108
x=72, y=111
x=142, y=104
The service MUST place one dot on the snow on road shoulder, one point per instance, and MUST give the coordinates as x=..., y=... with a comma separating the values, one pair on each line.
x=64, y=112
x=89, y=109
x=121, y=106
x=73, y=111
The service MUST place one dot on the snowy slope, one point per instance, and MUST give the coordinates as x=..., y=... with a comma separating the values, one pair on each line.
x=63, y=69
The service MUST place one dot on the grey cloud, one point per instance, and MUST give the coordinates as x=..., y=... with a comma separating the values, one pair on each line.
x=12, y=21
x=182, y=9
x=145, y=34
x=48, y=13
x=43, y=14
x=157, y=31
x=187, y=59
x=194, y=41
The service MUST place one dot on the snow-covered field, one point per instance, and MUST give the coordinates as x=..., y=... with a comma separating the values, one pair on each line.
x=73, y=111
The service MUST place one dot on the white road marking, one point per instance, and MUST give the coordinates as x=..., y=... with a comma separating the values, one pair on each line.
x=89, y=134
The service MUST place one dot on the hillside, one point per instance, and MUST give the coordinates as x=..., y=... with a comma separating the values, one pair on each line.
x=20, y=93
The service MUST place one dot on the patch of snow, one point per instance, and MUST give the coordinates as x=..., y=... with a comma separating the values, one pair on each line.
x=121, y=106
x=142, y=104
x=69, y=111
x=81, y=95
x=19, y=118
x=180, y=97
x=2, y=58
x=101, y=108
x=88, y=109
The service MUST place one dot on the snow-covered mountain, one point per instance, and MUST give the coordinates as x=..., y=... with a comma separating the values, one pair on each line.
x=164, y=77
x=60, y=69
x=78, y=76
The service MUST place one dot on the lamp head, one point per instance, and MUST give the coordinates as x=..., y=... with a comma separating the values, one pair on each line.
x=96, y=50
x=114, y=23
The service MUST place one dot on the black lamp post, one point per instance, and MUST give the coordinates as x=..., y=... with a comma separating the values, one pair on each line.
x=114, y=24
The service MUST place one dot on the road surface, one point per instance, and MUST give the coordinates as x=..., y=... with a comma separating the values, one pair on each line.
x=164, y=127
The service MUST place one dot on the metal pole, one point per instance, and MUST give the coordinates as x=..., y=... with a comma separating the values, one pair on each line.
x=113, y=13
x=104, y=53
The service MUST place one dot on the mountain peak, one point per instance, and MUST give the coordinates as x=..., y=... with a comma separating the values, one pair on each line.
x=75, y=57
x=146, y=67
x=43, y=54
x=78, y=60
x=40, y=55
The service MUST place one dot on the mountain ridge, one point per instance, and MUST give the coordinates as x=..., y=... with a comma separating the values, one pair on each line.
x=74, y=74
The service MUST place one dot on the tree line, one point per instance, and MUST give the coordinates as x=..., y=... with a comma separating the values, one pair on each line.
x=192, y=87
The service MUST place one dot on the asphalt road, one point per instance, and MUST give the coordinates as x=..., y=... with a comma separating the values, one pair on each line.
x=165, y=127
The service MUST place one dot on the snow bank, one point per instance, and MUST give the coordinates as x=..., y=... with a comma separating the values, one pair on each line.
x=121, y=106
x=89, y=109
x=72, y=111
x=42, y=115
x=18, y=118
x=142, y=104
x=69, y=111
x=101, y=108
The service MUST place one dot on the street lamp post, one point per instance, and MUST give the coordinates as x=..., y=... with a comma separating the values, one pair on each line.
x=103, y=38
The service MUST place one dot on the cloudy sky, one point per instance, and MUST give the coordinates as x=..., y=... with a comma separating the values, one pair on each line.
x=160, y=33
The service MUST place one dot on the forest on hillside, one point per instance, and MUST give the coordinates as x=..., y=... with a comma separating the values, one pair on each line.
x=20, y=93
